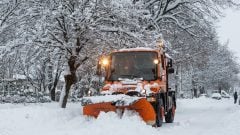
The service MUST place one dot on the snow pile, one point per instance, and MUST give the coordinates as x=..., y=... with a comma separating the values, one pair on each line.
x=229, y=123
x=48, y=119
x=124, y=99
x=201, y=116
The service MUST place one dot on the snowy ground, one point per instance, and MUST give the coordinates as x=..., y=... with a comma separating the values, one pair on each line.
x=194, y=117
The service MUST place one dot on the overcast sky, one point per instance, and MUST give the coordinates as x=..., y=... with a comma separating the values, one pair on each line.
x=229, y=29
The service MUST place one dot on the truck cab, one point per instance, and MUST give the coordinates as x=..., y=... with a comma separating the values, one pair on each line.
x=139, y=79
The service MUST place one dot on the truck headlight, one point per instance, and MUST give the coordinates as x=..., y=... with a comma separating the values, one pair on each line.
x=105, y=62
x=156, y=61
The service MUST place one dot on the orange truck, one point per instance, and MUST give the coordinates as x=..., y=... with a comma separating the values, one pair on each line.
x=136, y=79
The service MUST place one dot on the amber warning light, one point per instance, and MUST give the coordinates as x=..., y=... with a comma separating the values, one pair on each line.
x=105, y=61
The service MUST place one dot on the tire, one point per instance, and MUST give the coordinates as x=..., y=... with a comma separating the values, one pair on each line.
x=159, y=112
x=159, y=119
x=169, y=118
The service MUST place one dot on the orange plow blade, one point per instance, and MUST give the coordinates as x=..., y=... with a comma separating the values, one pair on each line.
x=142, y=106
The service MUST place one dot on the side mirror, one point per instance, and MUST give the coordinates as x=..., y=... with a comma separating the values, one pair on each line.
x=170, y=70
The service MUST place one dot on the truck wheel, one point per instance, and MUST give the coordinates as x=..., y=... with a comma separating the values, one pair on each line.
x=159, y=109
x=159, y=119
x=169, y=118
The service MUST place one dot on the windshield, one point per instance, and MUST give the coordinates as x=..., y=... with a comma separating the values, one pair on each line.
x=133, y=65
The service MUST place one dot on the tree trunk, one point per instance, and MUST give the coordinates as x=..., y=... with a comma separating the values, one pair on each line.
x=69, y=80
x=53, y=98
x=53, y=88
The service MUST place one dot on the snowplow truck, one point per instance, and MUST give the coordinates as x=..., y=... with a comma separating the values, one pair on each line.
x=136, y=79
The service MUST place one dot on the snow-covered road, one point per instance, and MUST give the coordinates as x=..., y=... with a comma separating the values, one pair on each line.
x=194, y=117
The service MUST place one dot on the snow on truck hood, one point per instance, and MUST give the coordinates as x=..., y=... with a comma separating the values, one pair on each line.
x=131, y=85
x=130, y=81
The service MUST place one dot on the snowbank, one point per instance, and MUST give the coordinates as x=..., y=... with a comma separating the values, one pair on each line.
x=193, y=117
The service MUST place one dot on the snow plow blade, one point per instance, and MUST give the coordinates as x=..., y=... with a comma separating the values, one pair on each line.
x=142, y=106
